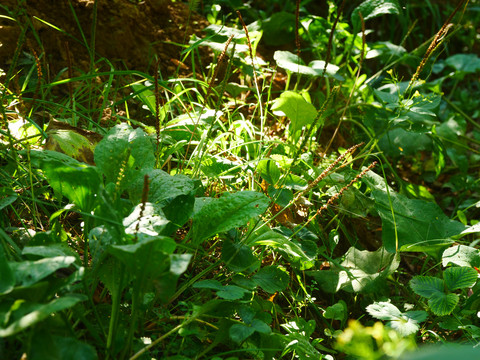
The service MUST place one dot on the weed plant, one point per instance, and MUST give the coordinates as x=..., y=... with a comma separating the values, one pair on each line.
x=315, y=201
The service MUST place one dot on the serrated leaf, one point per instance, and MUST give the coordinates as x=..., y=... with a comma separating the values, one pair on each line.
x=443, y=304
x=460, y=277
x=427, y=286
x=271, y=279
x=225, y=213
x=296, y=108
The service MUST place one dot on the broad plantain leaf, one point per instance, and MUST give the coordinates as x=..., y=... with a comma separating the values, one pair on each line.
x=419, y=224
x=373, y=8
x=361, y=271
x=227, y=212
x=124, y=155
x=296, y=108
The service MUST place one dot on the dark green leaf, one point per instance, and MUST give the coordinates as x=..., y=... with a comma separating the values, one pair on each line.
x=29, y=272
x=443, y=304
x=373, y=8
x=419, y=224
x=7, y=277
x=427, y=286
x=271, y=279
x=239, y=257
x=38, y=313
x=460, y=277
x=232, y=292
x=240, y=332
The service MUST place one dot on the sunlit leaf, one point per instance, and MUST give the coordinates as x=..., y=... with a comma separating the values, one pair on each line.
x=296, y=108
x=227, y=212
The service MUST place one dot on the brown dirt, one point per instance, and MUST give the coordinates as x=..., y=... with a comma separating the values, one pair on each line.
x=128, y=34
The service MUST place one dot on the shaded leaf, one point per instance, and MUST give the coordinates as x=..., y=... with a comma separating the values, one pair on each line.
x=239, y=257
x=232, y=292
x=419, y=224
x=29, y=272
x=38, y=312
x=240, y=332
x=271, y=279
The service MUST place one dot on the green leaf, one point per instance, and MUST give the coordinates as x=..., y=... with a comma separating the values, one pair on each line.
x=461, y=255
x=460, y=277
x=337, y=311
x=7, y=279
x=261, y=327
x=427, y=286
x=296, y=108
x=147, y=97
x=152, y=221
x=443, y=304
x=239, y=257
x=232, y=292
x=208, y=284
x=405, y=323
x=37, y=313
x=281, y=243
x=269, y=171
x=448, y=351
x=292, y=63
x=420, y=224
x=361, y=271
x=373, y=8
x=240, y=332
x=149, y=256
x=227, y=212
x=271, y=279
x=467, y=63
x=124, y=155
x=68, y=177
x=28, y=273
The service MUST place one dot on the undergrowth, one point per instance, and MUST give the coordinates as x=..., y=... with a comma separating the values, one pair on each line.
x=318, y=201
